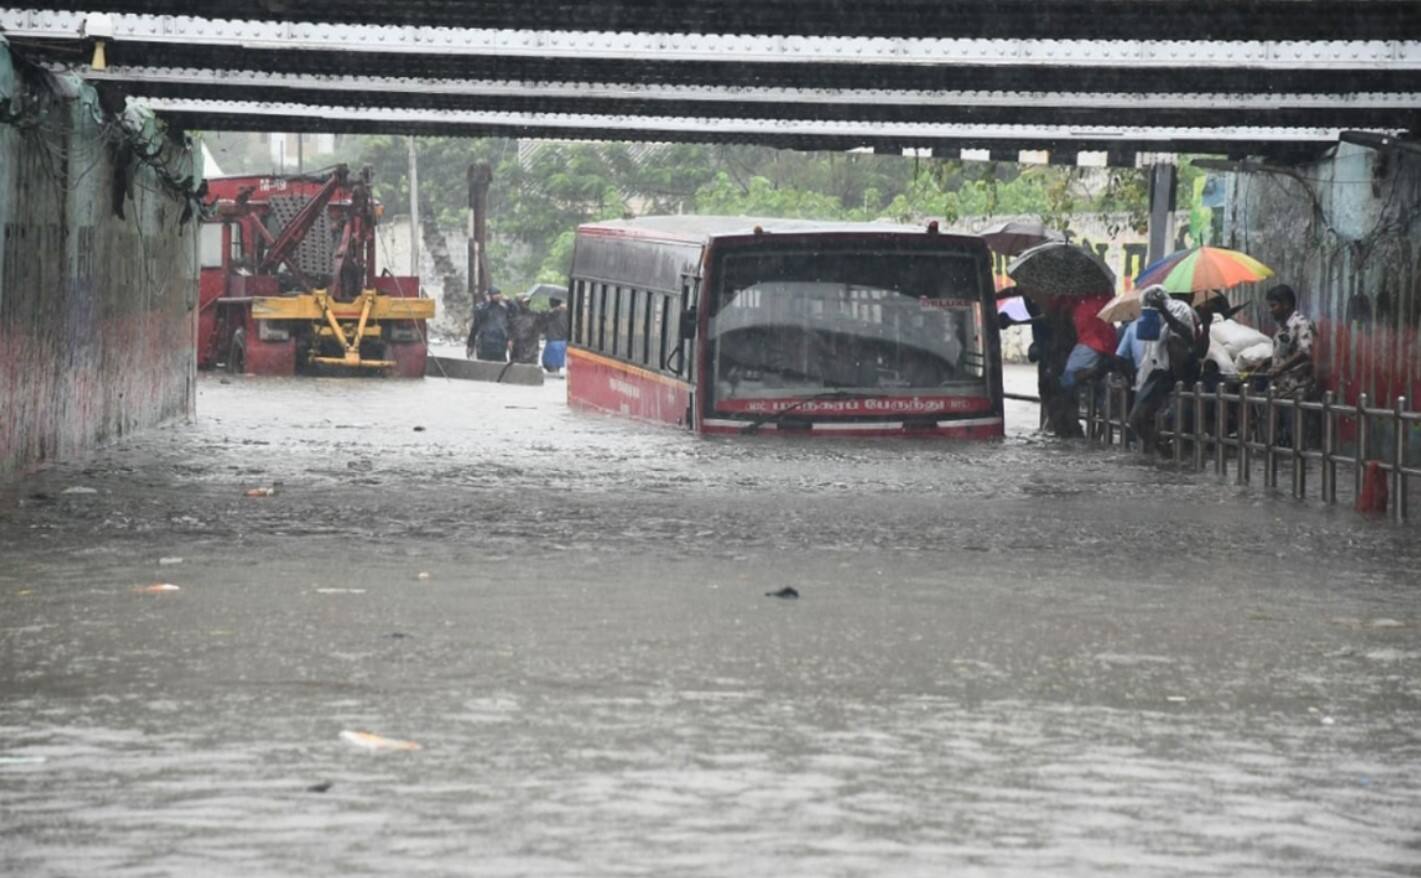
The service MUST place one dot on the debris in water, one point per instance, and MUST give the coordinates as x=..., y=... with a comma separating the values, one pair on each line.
x=1175, y=699
x=419, y=429
x=261, y=492
x=423, y=575
x=168, y=562
x=340, y=591
x=398, y=635
x=323, y=786
x=79, y=489
x=156, y=588
x=788, y=593
x=368, y=741
x=1327, y=720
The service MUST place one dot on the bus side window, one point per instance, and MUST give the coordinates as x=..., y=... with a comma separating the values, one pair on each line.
x=646, y=328
x=601, y=317
x=575, y=311
x=629, y=349
x=589, y=313
x=584, y=329
x=663, y=312
x=614, y=344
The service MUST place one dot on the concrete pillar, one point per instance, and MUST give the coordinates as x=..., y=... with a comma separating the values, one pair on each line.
x=1162, y=197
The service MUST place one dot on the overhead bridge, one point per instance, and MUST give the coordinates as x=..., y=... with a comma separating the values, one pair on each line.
x=1120, y=78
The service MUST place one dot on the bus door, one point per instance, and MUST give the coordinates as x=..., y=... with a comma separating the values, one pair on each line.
x=689, y=329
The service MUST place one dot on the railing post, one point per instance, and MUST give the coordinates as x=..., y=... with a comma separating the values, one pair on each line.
x=1398, y=461
x=1198, y=426
x=1329, y=450
x=1125, y=418
x=1106, y=428
x=1361, y=456
x=1270, y=434
x=1178, y=421
x=1245, y=454
x=1090, y=412
x=1300, y=463
x=1220, y=450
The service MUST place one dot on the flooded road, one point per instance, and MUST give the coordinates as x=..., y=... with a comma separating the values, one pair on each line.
x=1007, y=658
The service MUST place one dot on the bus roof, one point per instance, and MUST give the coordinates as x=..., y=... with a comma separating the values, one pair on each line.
x=694, y=229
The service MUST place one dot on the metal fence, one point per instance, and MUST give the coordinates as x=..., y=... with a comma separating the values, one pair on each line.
x=1233, y=427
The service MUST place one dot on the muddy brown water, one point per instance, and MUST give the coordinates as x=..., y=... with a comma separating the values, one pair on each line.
x=1013, y=657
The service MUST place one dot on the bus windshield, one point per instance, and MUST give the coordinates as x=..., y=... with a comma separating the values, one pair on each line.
x=878, y=320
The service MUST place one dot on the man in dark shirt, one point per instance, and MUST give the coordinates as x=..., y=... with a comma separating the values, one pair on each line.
x=524, y=324
x=555, y=330
x=488, y=335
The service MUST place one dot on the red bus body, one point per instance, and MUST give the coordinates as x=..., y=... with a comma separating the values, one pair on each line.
x=678, y=320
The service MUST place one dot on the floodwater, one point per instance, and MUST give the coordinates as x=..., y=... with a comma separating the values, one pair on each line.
x=1016, y=657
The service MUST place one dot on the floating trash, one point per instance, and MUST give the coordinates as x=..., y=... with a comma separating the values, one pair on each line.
x=369, y=741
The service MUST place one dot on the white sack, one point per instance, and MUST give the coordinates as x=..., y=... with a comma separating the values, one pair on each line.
x=1258, y=355
x=1235, y=337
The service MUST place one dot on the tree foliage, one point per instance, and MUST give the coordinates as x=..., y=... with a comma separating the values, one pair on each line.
x=538, y=197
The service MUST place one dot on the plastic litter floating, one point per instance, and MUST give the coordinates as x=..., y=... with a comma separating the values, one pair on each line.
x=157, y=588
x=375, y=743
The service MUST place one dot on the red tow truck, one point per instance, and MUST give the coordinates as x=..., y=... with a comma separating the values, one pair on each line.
x=289, y=280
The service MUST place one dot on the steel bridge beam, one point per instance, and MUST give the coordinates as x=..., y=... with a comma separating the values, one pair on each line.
x=1382, y=54
x=1001, y=19
x=808, y=133
x=1177, y=110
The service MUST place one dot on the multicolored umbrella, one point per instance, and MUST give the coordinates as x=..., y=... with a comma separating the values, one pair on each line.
x=1200, y=270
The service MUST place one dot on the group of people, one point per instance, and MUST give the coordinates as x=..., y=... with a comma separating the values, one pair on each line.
x=505, y=330
x=1170, y=342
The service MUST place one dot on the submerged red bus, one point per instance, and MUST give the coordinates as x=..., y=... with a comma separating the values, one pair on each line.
x=728, y=324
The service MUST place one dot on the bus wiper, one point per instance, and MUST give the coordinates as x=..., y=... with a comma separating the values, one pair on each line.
x=755, y=425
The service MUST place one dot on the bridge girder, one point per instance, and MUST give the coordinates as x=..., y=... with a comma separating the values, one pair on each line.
x=1003, y=19
x=805, y=91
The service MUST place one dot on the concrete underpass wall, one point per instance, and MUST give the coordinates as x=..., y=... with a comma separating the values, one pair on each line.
x=96, y=319
x=1345, y=234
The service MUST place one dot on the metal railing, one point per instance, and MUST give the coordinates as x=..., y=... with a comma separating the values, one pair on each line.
x=1243, y=428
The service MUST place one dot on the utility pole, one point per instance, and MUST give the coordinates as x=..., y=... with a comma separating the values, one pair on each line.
x=414, y=210
x=479, y=177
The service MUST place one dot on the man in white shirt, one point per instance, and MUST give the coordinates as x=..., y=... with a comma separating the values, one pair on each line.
x=1162, y=361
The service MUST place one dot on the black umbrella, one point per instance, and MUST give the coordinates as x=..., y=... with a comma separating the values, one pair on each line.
x=1060, y=269
x=1014, y=236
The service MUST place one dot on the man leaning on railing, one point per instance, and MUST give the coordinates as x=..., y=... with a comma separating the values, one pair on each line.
x=1292, y=370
